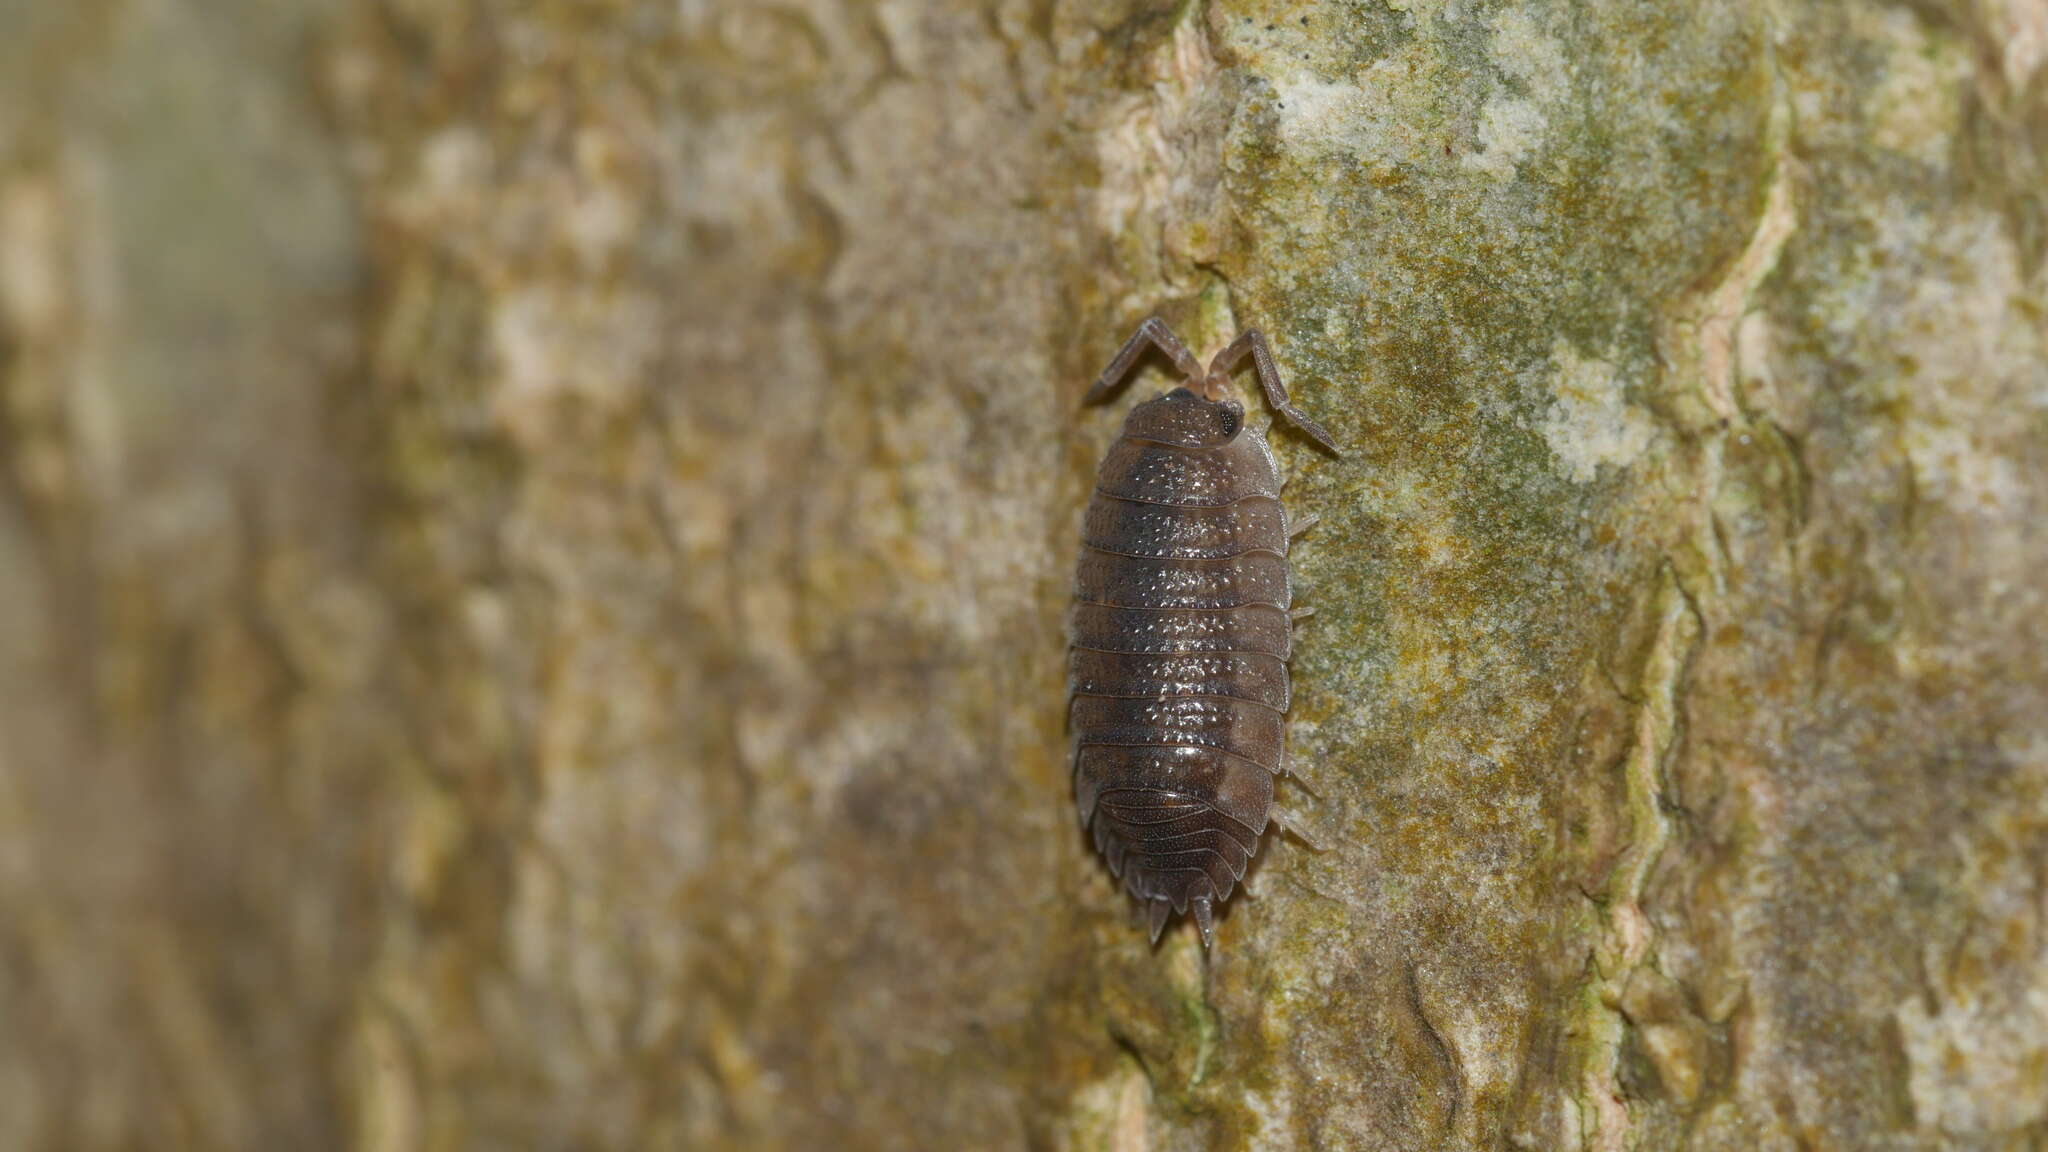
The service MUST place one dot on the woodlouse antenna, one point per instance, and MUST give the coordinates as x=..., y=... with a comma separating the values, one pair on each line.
x=1153, y=333
x=1252, y=342
x=1215, y=383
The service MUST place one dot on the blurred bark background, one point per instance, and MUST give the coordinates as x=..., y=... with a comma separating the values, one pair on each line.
x=534, y=543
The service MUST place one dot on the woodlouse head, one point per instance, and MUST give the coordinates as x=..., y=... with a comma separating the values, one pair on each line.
x=1186, y=418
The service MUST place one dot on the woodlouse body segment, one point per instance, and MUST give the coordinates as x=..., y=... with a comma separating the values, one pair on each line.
x=1182, y=633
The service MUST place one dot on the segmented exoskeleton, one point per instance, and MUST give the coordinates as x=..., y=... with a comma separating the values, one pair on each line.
x=1182, y=633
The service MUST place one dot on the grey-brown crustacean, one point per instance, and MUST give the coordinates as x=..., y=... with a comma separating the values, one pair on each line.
x=1182, y=632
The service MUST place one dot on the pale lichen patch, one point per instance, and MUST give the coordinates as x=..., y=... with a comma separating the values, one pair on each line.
x=1591, y=423
x=31, y=257
x=1354, y=116
x=1974, y=1063
x=1273, y=1110
x=1523, y=50
x=1963, y=471
x=1419, y=10
x=1959, y=333
x=1510, y=129
x=1512, y=126
x=551, y=339
x=1917, y=105
x=2020, y=27
x=1112, y=1114
x=1976, y=1043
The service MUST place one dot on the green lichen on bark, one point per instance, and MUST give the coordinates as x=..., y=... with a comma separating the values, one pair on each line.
x=534, y=540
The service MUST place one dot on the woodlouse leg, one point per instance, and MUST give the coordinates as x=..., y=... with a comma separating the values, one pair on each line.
x=1300, y=613
x=1206, y=922
x=1288, y=769
x=1292, y=825
x=1302, y=525
x=1158, y=910
x=1154, y=332
x=1253, y=342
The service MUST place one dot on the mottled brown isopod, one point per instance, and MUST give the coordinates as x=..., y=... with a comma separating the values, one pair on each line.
x=1182, y=633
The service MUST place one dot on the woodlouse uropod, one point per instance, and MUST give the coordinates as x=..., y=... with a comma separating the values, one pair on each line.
x=1182, y=631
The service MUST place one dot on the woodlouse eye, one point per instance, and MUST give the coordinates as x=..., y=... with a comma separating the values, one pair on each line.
x=1233, y=419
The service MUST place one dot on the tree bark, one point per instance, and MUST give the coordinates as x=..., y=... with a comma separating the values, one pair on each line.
x=535, y=541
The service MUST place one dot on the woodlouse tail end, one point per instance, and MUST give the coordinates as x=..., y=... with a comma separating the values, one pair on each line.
x=1205, y=920
x=1158, y=910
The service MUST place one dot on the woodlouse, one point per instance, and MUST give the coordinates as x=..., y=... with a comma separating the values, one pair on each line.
x=1182, y=632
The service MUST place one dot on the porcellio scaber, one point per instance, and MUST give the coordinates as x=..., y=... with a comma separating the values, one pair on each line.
x=1182, y=631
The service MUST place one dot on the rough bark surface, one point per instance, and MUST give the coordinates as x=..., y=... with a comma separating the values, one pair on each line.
x=535, y=538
